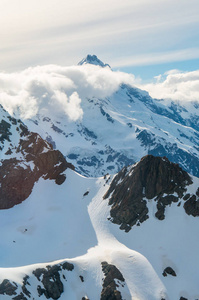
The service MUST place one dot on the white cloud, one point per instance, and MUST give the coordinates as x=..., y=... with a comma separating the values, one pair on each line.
x=71, y=105
x=175, y=85
x=51, y=89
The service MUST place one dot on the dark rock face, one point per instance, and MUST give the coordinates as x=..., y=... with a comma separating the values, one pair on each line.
x=16, y=182
x=109, y=291
x=25, y=158
x=8, y=288
x=53, y=286
x=169, y=271
x=5, y=131
x=24, y=288
x=20, y=297
x=191, y=206
x=38, y=159
x=49, y=283
x=67, y=266
x=152, y=177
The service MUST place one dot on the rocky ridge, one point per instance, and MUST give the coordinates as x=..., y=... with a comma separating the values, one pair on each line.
x=157, y=181
x=51, y=281
x=152, y=178
x=92, y=60
x=25, y=157
x=48, y=282
x=144, y=125
x=112, y=274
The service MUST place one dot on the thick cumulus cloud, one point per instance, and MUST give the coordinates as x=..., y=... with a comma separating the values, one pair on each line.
x=175, y=85
x=54, y=89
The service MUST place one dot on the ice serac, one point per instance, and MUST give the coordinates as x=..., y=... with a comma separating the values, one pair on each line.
x=92, y=60
x=152, y=178
x=25, y=157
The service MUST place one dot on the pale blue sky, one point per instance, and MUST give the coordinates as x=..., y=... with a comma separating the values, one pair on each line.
x=145, y=37
x=147, y=72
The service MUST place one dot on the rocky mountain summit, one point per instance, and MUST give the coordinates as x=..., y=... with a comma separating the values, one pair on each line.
x=119, y=124
x=152, y=178
x=92, y=60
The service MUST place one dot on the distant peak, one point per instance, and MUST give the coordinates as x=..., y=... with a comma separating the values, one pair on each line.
x=93, y=60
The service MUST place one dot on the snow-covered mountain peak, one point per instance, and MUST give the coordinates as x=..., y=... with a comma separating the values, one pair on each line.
x=141, y=124
x=93, y=60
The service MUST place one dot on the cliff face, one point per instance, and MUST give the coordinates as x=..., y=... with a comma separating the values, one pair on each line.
x=152, y=178
x=26, y=158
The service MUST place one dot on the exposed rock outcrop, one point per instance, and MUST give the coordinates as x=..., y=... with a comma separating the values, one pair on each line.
x=29, y=159
x=50, y=279
x=191, y=205
x=49, y=283
x=152, y=178
x=111, y=273
x=169, y=271
x=8, y=288
x=17, y=181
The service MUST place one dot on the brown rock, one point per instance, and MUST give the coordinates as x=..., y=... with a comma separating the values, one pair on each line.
x=152, y=177
x=109, y=291
x=17, y=178
x=17, y=182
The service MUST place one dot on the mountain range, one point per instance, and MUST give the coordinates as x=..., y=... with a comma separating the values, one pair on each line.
x=119, y=129
x=104, y=207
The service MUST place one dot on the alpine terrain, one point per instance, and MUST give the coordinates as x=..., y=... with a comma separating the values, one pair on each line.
x=100, y=201
x=120, y=123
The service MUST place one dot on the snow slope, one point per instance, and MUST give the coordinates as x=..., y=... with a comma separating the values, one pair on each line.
x=54, y=224
x=119, y=123
x=67, y=228
x=72, y=224
x=98, y=119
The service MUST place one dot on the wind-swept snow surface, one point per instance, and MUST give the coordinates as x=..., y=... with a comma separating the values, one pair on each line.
x=51, y=224
x=63, y=221
x=70, y=224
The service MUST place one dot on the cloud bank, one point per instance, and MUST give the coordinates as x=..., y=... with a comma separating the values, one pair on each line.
x=175, y=85
x=53, y=89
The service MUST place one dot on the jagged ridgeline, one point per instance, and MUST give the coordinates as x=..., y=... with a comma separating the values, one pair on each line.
x=52, y=280
x=129, y=234
x=25, y=157
x=155, y=192
x=152, y=178
x=119, y=125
